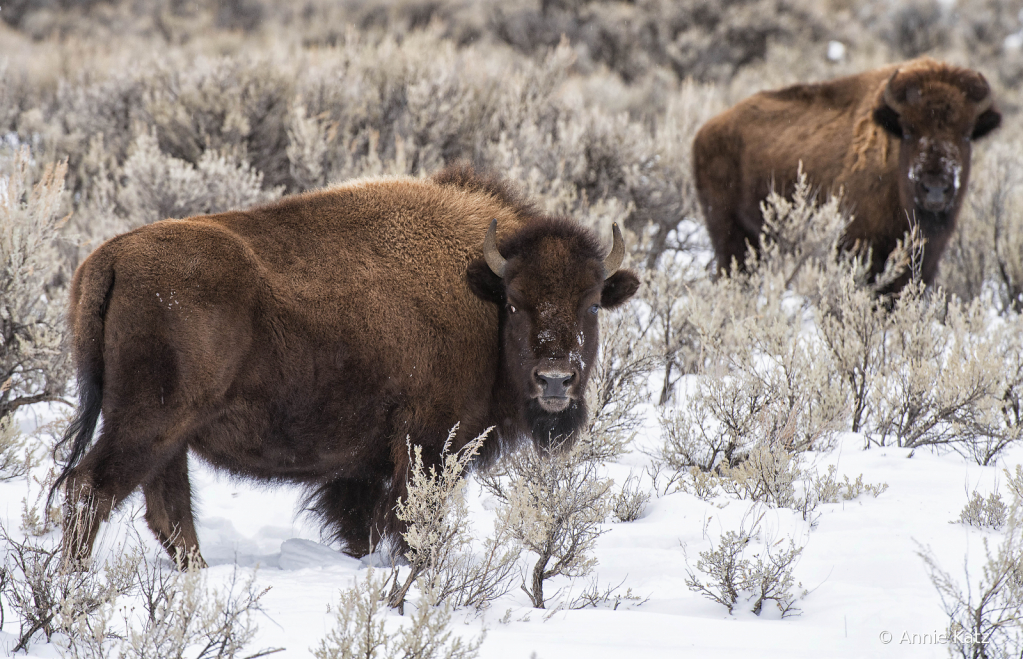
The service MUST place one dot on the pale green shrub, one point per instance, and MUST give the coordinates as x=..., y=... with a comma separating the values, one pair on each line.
x=14, y=460
x=727, y=574
x=34, y=366
x=986, y=613
x=553, y=502
x=439, y=537
x=984, y=513
x=629, y=503
x=51, y=598
x=360, y=630
x=182, y=617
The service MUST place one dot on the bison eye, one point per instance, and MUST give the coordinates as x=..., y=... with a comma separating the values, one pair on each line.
x=594, y=309
x=511, y=308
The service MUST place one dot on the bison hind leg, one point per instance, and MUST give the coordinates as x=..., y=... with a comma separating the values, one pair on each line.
x=169, y=511
x=347, y=508
x=85, y=509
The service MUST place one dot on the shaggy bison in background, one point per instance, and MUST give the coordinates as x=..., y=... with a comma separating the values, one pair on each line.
x=896, y=139
x=304, y=340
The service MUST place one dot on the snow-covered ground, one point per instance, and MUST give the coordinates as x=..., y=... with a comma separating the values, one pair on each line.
x=860, y=564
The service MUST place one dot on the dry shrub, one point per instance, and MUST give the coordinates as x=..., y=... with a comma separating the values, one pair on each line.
x=552, y=501
x=83, y=610
x=918, y=368
x=991, y=512
x=729, y=576
x=986, y=253
x=302, y=119
x=916, y=27
x=585, y=160
x=18, y=452
x=360, y=629
x=33, y=365
x=629, y=503
x=617, y=388
x=737, y=456
x=852, y=323
x=753, y=326
x=12, y=444
x=662, y=296
x=922, y=368
x=820, y=488
x=984, y=513
x=605, y=597
x=1014, y=479
x=765, y=474
x=950, y=376
x=89, y=609
x=182, y=616
x=986, y=613
x=706, y=40
x=160, y=186
x=439, y=538
x=228, y=105
x=767, y=392
x=51, y=597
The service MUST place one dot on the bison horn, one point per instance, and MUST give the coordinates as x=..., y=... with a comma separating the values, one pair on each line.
x=985, y=104
x=490, y=253
x=614, y=259
x=889, y=98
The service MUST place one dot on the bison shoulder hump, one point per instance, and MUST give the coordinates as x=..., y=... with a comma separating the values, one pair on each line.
x=464, y=177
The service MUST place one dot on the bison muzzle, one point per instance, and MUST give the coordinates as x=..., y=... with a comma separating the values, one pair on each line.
x=308, y=340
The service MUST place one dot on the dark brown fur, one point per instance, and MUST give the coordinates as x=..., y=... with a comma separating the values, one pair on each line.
x=849, y=137
x=303, y=341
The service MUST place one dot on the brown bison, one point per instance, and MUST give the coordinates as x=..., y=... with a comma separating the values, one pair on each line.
x=896, y=140
x=305, y=340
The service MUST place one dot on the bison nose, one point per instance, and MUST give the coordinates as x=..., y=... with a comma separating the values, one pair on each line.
x=936, y=194
x=555, y=384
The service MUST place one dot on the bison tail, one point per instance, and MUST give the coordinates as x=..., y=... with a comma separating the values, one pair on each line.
x=90, y=297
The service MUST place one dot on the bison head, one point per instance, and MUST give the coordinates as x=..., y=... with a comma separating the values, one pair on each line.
x=936, y=111
x=550, y=284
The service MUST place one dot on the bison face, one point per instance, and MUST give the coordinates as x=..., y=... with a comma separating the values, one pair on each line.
x=935, y=113
x=550, y=286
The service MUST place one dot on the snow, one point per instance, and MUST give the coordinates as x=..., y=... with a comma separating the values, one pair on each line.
x=860, y=564
x=836, y=51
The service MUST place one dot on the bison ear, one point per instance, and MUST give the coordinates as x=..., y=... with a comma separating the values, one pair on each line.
x=888, y=119
x=618, y=288
x=986, y=122
x=484, y=283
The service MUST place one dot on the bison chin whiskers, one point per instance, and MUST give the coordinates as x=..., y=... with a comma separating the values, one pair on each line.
x=932, y=222
x=555, y=428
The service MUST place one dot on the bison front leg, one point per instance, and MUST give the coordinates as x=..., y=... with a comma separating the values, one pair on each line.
x=169, y=511
x=346, y=506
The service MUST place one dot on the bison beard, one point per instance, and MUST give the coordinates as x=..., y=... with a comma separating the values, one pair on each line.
x=308, y=340
x=552, y=428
